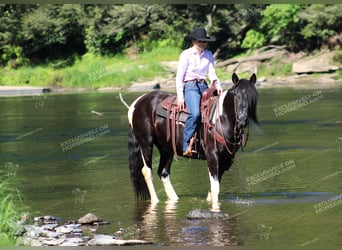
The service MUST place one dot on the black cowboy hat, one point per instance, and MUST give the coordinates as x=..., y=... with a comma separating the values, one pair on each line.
x=199, y=34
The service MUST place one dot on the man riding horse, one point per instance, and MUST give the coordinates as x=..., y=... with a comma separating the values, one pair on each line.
x=195, y=63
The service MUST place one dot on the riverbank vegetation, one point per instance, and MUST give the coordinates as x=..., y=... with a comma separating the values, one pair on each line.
x=93, y=71
x=11, y=208
x=94, y=46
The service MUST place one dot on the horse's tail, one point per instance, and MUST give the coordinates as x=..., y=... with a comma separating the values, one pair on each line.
x=135, y=166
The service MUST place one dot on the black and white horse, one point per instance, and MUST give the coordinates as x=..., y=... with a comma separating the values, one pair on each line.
x=224, y=136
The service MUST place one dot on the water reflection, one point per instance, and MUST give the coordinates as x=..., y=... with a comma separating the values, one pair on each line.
x=165, y=224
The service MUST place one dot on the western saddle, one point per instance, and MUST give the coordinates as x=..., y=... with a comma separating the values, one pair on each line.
x=173, y=114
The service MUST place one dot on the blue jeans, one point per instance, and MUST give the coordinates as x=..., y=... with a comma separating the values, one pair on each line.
x=192, y=98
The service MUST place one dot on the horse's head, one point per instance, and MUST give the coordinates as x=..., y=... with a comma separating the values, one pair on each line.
x=246, y=97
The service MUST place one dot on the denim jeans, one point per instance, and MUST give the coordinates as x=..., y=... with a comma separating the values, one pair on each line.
x=192, y=98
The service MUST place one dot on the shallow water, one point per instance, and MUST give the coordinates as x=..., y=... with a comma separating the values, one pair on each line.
x=289, y=168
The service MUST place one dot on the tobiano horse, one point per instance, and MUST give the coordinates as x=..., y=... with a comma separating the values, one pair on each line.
x=222, y=135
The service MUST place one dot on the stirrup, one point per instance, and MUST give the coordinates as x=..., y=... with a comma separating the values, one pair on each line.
x=189, y=151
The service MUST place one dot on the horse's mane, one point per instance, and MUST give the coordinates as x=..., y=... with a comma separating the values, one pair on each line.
x=252, y=96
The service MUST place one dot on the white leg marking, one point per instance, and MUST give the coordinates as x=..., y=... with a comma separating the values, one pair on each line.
x=214, y=190
x=209, y=197
x=131, y=111
x=147, y=173
x=170, y=192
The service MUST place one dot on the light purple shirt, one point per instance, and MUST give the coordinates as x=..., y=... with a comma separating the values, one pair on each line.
x=192, y=66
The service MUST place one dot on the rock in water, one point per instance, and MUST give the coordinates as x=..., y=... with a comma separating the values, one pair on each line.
x=102, y=240
x=106, y=240
x=206, y=214
x=89, y=219
x=47, y=219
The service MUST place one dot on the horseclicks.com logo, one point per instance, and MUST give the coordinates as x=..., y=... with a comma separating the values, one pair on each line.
x=85, y=137
x=299, y=103
x=270, y=172
x=330, y=203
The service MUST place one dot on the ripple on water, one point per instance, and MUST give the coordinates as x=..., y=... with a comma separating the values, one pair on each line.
x=279, y=197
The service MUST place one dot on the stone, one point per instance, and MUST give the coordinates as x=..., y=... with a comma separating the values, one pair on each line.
x=51, y=234
x=106, y=240
x=132, y=242
x=52, y=242
x=102, y=240
x=244, y=67
x=73, y=242
x=206, y=214
x=89, y=219
x=77, y=231
x=47, y=219
x=64, y=230
x=32, y=231
x=73, y=225
x=29, y=241
x=48, y=227
x=320, y=63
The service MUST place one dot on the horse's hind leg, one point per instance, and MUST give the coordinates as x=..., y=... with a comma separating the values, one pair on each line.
x=166, y=157
x=146, y=148
x=148, y=176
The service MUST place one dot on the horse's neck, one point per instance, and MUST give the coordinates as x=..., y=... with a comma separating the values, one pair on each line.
x=229, y=107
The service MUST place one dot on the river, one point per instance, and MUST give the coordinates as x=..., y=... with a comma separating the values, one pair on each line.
x=68, y=154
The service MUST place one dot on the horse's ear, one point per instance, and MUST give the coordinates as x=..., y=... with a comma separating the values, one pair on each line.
x=235, y=78
x=253, y=79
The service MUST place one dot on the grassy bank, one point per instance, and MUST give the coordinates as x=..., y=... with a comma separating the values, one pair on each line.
x=10, y=211
x=92, y=72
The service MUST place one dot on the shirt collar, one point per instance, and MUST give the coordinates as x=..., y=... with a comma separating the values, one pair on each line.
x=193, y=50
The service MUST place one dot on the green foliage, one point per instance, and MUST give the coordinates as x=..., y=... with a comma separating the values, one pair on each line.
x=278, y=17
x=253, y=39
x=93, y=71
x=321, y=22
x=13, y=55
x=60, y=31
x=9, y=212
x=275, y=68
x=280, y=23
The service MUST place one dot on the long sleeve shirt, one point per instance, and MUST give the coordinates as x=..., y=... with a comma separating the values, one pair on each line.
x=192, y=66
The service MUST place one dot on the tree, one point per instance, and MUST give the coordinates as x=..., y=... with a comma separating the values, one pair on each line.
x=10, y=33
x=321, y=22
x=49, y=31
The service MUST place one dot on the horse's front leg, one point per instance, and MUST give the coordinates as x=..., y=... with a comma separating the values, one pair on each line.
x=169, y=190
x=213, y=194
x=166, y=158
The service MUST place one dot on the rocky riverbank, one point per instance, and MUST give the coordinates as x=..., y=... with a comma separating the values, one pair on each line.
x=315, y=71
x=48, y=231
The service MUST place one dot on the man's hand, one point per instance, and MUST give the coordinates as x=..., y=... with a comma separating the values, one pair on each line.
x=180, y=102
x=219, y=90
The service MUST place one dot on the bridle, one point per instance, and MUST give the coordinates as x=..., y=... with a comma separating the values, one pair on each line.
x=239, y=139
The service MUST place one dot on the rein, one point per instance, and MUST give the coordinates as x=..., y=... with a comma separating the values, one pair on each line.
x=239, y=136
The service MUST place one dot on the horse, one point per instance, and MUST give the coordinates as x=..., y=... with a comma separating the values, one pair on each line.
x=224, y=134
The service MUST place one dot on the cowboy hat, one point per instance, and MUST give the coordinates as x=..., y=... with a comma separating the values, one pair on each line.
x=199, y=34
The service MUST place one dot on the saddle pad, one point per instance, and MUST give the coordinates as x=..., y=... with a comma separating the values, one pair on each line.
x=163, y=113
